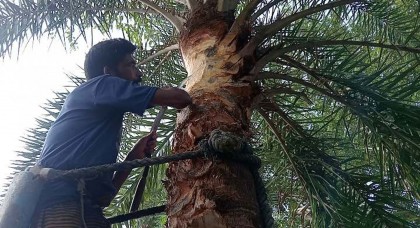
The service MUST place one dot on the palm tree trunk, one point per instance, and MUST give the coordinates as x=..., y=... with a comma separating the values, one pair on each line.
x=206, y=193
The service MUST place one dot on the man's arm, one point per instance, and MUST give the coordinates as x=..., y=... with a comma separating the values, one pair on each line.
x=173, y=97
x=120, y=176
x=143, y=146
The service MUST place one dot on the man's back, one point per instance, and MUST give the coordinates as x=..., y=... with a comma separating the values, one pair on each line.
x=81, y=130
x=87, y=132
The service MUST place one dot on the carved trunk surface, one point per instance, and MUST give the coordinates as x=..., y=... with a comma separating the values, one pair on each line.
x=206, y=193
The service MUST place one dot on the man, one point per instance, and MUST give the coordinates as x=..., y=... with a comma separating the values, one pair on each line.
x=87, y=133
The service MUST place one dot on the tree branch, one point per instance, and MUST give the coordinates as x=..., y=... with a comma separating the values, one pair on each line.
x=279, y=51
x=244, y=15
x=268, y=75
x=271, y=29
x=289, y=121
x=183, y=2
x=21, y=22
x=286, y=90
x=192, y=4
x=264, y=8
x=129, y=10
x=330, y=92
x=321, y=43
x=296, y=64
x=279, y=137
x=175, y=21
x=283, y=145
x=276, y=26
x=160, y=52
x=320, y=76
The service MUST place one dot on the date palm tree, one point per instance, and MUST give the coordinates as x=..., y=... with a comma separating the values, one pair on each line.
x=326, y=91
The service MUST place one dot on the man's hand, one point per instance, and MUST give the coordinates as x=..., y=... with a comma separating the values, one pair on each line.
x=143, y=146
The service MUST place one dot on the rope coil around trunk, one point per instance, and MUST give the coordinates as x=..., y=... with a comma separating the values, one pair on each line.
x=265, y=208
x=241, y=153
x=91, y=172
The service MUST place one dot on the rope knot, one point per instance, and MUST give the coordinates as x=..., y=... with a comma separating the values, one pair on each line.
x=227, y=146
x=225, y=142
x=206, y=149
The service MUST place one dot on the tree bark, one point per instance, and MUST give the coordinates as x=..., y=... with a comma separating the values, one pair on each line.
x=202, y=192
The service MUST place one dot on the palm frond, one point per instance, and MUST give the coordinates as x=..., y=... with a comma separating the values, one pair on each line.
x=70, y=20
x=332, y=189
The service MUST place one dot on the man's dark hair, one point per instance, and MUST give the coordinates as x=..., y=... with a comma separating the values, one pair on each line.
x=106, y=53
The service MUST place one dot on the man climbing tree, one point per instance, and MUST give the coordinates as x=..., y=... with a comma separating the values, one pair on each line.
x=88, y=132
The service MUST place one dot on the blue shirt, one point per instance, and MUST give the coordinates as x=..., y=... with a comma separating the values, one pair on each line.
x=87, y=132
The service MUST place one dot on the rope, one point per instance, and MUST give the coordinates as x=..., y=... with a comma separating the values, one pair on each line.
x=137, y=214
x=207, y=149
x=92, y=172
x=265, y=208
x=254, y=163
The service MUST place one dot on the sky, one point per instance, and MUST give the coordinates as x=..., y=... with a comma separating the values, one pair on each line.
x=27, y=80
